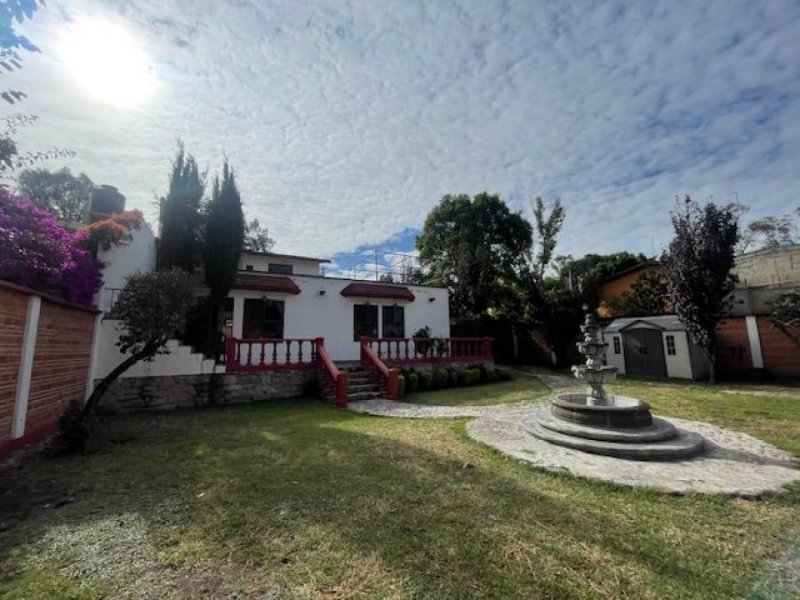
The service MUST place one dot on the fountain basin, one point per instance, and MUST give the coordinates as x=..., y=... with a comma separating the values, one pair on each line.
x=682, y=445
x=611, y=412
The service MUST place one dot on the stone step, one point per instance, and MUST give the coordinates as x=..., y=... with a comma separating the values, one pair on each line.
x=363, y=387
x=364, y=396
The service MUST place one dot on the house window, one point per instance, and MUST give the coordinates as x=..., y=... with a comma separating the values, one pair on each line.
x=248, y=267
x=263, y=318
x=617, y=345
x=670, y=340
x=394, y=325
x=279, y=269
x=365, y=321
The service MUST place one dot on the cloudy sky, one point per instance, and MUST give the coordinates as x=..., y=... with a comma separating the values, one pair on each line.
x=348, y=121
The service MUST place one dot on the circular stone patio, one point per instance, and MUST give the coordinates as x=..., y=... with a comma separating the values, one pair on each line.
x=732, y=463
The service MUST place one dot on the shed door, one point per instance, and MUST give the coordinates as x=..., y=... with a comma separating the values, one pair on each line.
x=644, y=353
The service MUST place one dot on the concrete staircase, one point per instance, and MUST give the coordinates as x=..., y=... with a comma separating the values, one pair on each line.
x=361, y=385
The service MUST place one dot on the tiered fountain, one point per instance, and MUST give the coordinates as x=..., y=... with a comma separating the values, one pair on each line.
x=612, y=425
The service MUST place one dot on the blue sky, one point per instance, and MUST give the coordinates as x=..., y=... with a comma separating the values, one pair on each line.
x=348, y=121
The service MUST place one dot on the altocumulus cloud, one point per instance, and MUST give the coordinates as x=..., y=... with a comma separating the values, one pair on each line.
x=347, y=122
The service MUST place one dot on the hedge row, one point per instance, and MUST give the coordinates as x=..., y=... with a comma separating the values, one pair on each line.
x=411, y=380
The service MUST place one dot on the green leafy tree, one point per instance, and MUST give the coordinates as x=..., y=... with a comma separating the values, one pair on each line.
x=61, y=193
x=256, y=237
x=648, y=296
x=181, y=216
x=150, y=308
x=547, y=228
x=477, y=248
x=698, y=264
x=224, y=239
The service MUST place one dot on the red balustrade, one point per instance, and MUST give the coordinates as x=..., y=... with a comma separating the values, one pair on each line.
x=371, y=360
x=242, y=355
x=406, y=351
x=334, y=378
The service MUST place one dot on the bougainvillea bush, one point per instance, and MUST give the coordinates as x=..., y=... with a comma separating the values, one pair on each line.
x=37, y=252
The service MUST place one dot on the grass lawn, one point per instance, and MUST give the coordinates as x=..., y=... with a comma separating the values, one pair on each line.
x=301, y=500
x=522, y=388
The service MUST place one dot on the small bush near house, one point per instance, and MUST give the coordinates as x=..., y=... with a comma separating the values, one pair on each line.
x=413, y=382
x=425, y=380
x=440, y=378
x=401, y=386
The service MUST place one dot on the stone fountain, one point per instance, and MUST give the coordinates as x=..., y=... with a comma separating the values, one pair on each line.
x=600, y=423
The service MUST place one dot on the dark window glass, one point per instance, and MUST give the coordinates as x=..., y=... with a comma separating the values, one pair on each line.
x=263, y=319
x=248, y=267
x=393, y=322
x=617, y=346
x=279, y=269
x=365, y=321
x=671, y=345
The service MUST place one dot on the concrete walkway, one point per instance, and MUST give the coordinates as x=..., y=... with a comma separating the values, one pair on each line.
x=734, y=463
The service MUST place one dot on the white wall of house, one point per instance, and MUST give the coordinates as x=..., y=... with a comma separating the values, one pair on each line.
x=312, y=313
x=261, y=262
x=137, y=256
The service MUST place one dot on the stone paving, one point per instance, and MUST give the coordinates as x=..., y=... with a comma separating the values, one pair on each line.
x=733, y=463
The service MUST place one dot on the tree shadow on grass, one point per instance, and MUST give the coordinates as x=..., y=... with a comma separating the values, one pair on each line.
x=305, y=498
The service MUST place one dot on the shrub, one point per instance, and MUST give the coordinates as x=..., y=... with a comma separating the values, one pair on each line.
x=440, y=378
x=501, y=375
x=413, y=382
x=74, y=429
x=401, y=386
x=472, y=376
x=491, y=373
x=425, y=380
x=481, y=368
x=37, y=252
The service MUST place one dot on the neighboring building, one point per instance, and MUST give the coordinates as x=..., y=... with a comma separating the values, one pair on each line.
x=748, y=339
x=653, y=347
x=613, y=288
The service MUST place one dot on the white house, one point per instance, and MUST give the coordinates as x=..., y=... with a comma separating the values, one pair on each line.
x=277, y=297
x=653, y=347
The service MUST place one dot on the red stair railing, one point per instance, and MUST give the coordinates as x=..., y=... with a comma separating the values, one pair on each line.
x=387, y=376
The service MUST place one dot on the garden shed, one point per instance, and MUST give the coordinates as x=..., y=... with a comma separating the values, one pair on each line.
x=656, y=346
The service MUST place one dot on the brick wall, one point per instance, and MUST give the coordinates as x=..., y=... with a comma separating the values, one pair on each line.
x=61, y=361
x=780, y=348
x=733, y=347
x=13, y=310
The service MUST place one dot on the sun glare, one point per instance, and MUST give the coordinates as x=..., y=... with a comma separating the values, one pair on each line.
x=107, y=61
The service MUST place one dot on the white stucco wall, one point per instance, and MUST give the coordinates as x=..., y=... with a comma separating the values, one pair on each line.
x=310, y=314
x=679, y=365
x=138, y=256
x=300, y=266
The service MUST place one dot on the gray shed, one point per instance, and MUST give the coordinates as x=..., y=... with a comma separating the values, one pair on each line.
x=653, y=347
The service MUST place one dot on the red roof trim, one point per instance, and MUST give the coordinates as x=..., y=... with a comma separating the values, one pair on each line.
x=266, y=283
x=378, y=290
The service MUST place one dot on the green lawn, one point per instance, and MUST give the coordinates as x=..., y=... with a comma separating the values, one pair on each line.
x=301, y=500
x=522, y=388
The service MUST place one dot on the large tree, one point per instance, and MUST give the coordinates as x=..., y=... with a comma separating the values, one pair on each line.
x=547, y=228
x=224, y=238
x=769, y=232
x=181, y=218
x=256, y=237
x=698, y=264
x=477, y=248
x=65, y=195
x=150, y=308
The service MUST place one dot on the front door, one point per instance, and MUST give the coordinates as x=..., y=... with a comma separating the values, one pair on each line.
x=644, y=353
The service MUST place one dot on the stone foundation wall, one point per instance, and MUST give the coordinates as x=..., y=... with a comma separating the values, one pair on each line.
x=188, y=391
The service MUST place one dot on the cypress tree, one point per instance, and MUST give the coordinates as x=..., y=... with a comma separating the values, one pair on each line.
x=181, y=218
x=222, y=247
